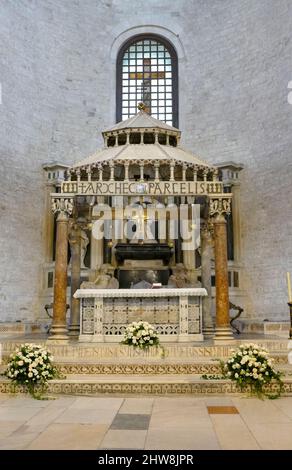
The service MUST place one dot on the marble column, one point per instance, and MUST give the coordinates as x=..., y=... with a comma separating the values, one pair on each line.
x=63, y=208
x=218, y=208
x=96, y=247
x=96, y=253
x=178, y=250
x=75, y=246
x=189, y=260
x=206, y=256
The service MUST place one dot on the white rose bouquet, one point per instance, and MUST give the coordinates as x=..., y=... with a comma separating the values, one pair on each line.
x=31, y=365
x=140, y=335
x=250, y=366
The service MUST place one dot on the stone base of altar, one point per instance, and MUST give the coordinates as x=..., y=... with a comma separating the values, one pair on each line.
x=176, y=314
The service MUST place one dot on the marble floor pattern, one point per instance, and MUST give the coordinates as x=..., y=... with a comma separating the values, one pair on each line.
x=145, y=423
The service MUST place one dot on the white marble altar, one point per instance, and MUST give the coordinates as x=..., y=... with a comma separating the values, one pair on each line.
x=175, y=313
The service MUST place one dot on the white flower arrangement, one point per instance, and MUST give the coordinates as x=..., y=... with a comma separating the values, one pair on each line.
x=250, y=365
x=140, y=335
x=31, y=365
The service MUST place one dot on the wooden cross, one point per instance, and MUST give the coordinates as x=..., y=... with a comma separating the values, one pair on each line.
x=146, y=76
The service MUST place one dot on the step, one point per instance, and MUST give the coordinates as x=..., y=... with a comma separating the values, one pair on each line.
x=75, y=351
x=142, y=385
x=148, y=368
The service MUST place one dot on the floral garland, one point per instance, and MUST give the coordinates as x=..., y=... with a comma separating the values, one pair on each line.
x=31, y=366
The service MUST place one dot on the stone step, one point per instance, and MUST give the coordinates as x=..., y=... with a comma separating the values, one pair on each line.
x=201, y=367
x=142, y=385
x=163, y=368
x=146, y=368
x=75, y=351
x=146, y=364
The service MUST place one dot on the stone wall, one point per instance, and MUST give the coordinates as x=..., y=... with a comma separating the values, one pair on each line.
x=57, y=72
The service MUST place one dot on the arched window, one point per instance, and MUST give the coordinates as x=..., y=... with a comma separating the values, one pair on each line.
x=147, y=72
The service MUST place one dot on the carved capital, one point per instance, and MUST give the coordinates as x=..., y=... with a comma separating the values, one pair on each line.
x=63, y=207
x=220, y=205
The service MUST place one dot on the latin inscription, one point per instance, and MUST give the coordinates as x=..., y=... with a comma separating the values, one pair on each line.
x=151, y=188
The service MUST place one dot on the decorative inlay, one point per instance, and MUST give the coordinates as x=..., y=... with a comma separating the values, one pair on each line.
x=215, y=387
x=222, y=410
x=170, y=315
x=160, y=368
x=88, y=316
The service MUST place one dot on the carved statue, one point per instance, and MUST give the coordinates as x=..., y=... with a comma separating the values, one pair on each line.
x=83, y=248
x=181, y=277
x=73, y=238
x=104, y=280
x=178, y=277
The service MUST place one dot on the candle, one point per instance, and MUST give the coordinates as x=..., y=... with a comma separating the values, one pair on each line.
x=289, y=288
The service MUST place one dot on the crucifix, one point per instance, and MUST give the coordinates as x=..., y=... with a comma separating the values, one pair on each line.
x=146, y=76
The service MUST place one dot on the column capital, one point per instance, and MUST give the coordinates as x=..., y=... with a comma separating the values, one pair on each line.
x=62, y=206
x=219, y=206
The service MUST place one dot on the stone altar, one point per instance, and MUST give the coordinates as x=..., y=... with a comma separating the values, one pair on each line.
x=175, y=313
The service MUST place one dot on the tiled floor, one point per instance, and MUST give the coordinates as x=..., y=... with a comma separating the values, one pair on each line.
x=145, y=423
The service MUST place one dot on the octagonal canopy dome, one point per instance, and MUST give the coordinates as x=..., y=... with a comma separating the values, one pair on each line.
x=143, y=140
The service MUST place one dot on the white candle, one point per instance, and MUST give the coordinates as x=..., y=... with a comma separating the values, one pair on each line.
x=289, y=288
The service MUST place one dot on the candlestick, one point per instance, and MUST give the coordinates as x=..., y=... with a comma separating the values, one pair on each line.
x=290, y=309
x=289, y=288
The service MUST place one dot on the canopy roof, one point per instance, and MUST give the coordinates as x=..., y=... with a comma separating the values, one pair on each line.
x=142, y=123
x=141, y=120
x=132, y=152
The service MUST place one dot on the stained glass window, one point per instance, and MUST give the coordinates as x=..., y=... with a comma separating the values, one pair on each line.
x=147, y=72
